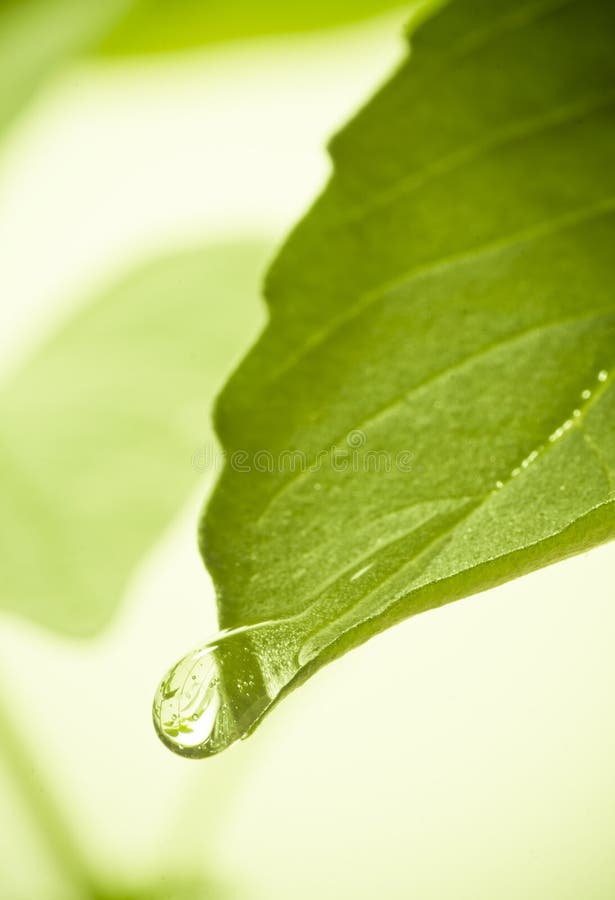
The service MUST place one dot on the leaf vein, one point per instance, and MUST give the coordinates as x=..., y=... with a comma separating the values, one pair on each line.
x=400, y=399
x=546, y=228
x=448, y=165
x=446, y=534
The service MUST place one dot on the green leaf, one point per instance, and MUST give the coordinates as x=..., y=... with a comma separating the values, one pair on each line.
x=154, y=26
x=104, y=432
x=444, y=315
x=37, y=35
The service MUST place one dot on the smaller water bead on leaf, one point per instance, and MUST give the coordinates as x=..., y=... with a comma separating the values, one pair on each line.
x=217, y=694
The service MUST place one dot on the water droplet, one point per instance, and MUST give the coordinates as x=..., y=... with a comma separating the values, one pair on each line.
x=603, y=375
x=215, y=695
x=586, y=394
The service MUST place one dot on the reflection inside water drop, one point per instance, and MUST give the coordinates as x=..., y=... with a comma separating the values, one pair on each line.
x=188, y=700
x=215, y=695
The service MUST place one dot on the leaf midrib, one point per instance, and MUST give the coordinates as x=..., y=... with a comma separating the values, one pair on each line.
x=446, y=534
x=400, y=399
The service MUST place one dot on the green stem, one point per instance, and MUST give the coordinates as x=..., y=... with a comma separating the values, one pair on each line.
x=41, y=804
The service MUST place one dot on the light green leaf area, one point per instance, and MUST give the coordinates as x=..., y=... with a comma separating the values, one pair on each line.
x=105, y=432
x=441, y=348
x=154, y=26
x=37, y=35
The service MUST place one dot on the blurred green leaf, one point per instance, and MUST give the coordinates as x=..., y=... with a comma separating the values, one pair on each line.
x=153, y=26
x=441, y=349
x=103, y=433
x=37, y=35
x=169, y=888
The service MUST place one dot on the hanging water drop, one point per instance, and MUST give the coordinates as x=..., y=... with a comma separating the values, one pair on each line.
x=215, y=695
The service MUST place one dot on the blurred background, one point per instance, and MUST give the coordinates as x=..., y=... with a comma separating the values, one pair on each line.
x=152, y=157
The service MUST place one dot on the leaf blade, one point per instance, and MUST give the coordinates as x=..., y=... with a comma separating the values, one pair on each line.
x=467, y=318
x=105, y=430
x=152, y=26
x=36, y=37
